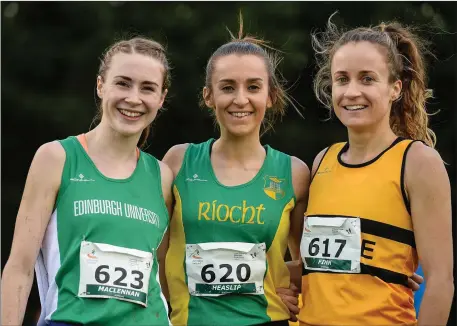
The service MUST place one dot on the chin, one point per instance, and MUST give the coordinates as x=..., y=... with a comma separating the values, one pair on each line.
x=358, y=125
x=128, y=131
x=241, y=131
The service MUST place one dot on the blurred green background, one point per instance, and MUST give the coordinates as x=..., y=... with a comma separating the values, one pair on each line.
x=50, y=56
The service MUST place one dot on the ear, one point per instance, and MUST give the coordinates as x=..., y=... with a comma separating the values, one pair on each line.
x=269, y=102
x=271, y=99
x=396, y=90
x=100, y=87
x=208, y=98
x=164, y=94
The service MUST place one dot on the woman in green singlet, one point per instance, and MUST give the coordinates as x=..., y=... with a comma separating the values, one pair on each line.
x=238, y=203
x=95, y=208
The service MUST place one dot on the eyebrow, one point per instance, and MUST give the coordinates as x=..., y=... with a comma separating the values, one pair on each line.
x=147, y=82
x=250, y=80
x=361, y=72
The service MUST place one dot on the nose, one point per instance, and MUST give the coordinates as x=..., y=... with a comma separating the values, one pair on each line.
x=133, y=97
x=352, y=90
x=240, y=98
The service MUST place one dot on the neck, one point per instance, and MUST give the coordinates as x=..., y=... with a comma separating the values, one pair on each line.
x=239, y=149
x=366, y=145
x=105, y=142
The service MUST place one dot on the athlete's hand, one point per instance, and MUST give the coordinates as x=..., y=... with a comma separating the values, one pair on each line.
x=295, y=271
x=415, y=281
x=290, y=298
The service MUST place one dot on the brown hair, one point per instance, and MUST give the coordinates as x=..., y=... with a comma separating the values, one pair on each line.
x=140, y=45
x=405, y=58
x=250, y=45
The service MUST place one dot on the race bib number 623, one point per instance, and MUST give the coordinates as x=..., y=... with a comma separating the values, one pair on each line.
x=108, y=271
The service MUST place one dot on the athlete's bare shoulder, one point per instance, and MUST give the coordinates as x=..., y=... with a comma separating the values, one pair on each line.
x=175, y=156
x=300, y=177
x=317, y=160
x=49, y=156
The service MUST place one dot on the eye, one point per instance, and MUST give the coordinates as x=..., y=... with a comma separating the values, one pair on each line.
x=122, y=83
x=253, y=88
x=342, y=79
x=149, y=88
x=367, y=79
x=227, y=89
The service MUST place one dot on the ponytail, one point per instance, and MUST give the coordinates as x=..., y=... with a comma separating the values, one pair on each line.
x=408, y=117
x=405, y=58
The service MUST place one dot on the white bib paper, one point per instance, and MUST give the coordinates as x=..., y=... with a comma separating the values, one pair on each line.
x=219, y=268
x=331, y=244
x=108, y=271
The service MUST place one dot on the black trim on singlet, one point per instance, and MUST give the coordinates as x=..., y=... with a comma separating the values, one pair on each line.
x=319, y=165
x=388, y=231
x=276, y=323
x=381, y=229
x=386, y=275
x=346, y=147
x=402, y=178
x=169, y=309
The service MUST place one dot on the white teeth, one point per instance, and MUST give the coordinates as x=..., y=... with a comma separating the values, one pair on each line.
x=354, y=107
x=240, y=114
x=130, y=114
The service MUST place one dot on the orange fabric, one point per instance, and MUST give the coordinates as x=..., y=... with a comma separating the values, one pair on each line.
x=300, y=305
x=82, y=139
x=371, y=192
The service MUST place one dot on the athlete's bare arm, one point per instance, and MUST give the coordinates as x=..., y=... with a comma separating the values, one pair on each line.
x=172, y=160
x=174, y=157
x=300, y=182
x=38, y=199
x=428, y=188
x=167, y=180
x=317, y=161
x=301, y=178
x=295, y=265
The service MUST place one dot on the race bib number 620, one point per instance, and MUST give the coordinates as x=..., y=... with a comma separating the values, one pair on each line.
x=215, y=269
x=243, y=273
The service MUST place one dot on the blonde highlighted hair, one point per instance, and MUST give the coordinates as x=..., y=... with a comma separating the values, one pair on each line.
x=405, y=57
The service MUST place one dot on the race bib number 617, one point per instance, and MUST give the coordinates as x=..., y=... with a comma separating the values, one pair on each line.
x=331, y=244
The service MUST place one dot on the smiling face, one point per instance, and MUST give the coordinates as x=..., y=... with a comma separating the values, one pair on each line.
x=362, y=92
x=239, y=93
x=131, y=92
